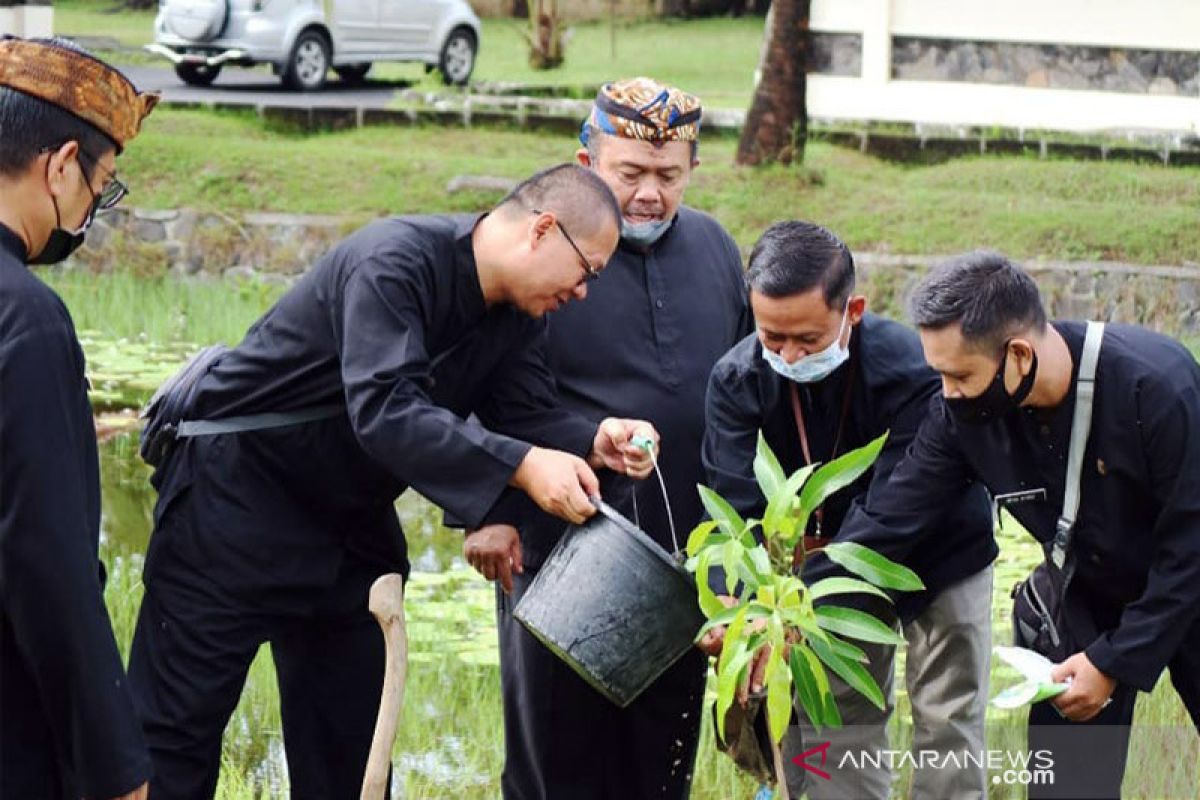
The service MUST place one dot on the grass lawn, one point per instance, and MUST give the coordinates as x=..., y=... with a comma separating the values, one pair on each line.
x=1026, y=207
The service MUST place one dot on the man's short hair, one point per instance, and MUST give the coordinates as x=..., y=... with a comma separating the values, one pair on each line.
x=29, y=126
x=991, y=298
x=578, y=197
x=795, y=257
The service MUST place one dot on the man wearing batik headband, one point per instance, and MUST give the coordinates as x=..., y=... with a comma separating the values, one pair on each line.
x=67, y=723
x=675, y=303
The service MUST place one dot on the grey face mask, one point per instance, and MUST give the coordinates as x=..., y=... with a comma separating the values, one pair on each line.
x=643, y=234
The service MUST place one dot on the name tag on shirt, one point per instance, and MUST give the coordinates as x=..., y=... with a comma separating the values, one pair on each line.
x=1010, y=499
x=1017, y=498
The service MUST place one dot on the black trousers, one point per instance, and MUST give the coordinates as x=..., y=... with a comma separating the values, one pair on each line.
x=1089, y=757
x=191, y=651
x=563, y=740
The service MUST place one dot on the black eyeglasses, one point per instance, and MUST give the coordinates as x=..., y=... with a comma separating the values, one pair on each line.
x=590, y=273
x=112, y=192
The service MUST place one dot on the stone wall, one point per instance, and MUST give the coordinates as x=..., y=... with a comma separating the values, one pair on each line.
x=1165, y=298
x=1048, y=66
x=280, y=247
x=186, y=242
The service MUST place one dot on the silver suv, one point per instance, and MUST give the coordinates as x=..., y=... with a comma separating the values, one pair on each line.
x=303, y=39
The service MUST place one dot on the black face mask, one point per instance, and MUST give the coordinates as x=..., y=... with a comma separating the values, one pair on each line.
x=993, y=402
x=62, y=242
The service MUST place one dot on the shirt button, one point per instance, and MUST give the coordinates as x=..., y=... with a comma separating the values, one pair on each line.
x=658, y=304
x=1044, y=431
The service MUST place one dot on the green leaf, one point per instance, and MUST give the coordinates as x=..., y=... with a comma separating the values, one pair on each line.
x=779, y=505
x=761, y=560
x=748, y=538
x=877, y=569
x=854, y=674
x=754, y=611
x=766, y=469
x=751, y=576
x=731, y=557
x=806, y=686
x=733, y=636
x=728, y=678
x=806, y=621
x=843, y=585
x=857, y=625
x=847, y=650
x=709, y=603
x=839, y=473
x=730, y=521
x=832, y=715
x=717, y=620
x=699, y=535
x=779, y=695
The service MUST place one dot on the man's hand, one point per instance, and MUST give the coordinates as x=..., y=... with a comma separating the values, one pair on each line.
x=613, y=447
x=140, y=793
x=495, y=552
x=1089, y=691
x=558, y=482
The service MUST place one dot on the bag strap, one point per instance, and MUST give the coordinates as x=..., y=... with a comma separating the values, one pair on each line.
x=256, y=422
x=1081, y=426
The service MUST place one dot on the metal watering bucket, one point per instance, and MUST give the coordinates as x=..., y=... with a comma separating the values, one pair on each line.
x=612, y=604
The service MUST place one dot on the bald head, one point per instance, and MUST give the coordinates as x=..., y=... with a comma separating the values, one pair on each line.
x=577, y=197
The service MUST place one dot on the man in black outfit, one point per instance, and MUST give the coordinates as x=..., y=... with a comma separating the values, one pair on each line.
x=410, y=355
x=67, y=723
x=672, y=302
x=1009, y=383
x=821, y=377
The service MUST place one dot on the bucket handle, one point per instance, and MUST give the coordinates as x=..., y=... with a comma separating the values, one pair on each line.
x=662, y=485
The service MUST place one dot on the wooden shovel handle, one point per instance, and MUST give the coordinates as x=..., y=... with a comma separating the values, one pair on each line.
x=387, y=604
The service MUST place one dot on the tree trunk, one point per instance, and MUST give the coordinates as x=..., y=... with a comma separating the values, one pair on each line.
x=777, y=123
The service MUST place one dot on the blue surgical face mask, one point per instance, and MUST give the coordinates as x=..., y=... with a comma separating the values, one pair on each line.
x=813, y=367
x=643, y=234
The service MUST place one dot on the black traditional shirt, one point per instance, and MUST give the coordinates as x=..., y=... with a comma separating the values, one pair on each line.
x=1137, y=534
x=62, y=683
x=885, y=386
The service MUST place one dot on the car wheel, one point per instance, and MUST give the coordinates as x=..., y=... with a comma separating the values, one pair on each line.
x=308, y=62
x=197, y=74
x=352, y=73
x=458, y=57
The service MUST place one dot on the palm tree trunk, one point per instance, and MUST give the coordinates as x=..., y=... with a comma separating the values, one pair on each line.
x=777, y=123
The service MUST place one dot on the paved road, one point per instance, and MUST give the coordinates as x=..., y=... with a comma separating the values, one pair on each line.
x=256, y=87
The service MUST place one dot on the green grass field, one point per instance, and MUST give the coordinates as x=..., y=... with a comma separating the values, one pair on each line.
x=1020, y=205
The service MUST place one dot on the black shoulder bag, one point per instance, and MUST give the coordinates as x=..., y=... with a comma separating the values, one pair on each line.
x=1043, y=619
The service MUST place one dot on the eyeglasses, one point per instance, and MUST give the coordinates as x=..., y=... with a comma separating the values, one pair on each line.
x=112, y=192
x=590, y=273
